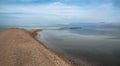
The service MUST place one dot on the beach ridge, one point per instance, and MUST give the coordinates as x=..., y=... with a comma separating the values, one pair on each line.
x=18, y=47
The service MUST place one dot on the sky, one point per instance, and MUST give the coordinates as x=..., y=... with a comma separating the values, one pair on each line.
x=48, y=12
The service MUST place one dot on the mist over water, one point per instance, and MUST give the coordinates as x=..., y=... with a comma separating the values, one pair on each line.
x=85, y=47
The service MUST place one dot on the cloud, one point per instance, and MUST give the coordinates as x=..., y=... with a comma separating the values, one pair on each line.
x=71, y=2
x=11, y=2
x=58, y=12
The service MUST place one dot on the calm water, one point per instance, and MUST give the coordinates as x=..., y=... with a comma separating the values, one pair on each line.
x=85, y=47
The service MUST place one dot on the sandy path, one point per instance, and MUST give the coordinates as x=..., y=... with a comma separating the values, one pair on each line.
x=18, y=48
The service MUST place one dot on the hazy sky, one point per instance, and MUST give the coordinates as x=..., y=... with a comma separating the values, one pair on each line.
x=47, y=12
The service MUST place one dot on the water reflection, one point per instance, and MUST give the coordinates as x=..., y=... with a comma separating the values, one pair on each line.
x=85, y=46
x=113, y=33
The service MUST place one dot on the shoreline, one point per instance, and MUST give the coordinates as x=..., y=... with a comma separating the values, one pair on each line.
x=68, y=58
x=35, y=35
x=19, y=47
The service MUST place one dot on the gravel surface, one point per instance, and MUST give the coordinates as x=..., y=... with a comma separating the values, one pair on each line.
x=19, y=48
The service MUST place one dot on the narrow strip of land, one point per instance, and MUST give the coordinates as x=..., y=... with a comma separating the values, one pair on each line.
x=19, y=48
